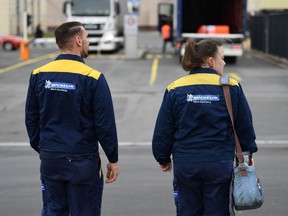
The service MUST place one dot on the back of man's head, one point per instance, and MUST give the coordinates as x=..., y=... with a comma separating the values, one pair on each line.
x=65, y=33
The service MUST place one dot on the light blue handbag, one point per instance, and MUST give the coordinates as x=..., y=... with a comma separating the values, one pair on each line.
x=247, y=188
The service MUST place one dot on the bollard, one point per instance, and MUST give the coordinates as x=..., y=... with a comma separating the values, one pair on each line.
x=24, y=50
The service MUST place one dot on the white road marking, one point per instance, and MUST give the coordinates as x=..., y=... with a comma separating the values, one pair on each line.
x=260, y=143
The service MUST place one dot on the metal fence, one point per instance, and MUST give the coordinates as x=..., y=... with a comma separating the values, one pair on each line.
x=269, y=33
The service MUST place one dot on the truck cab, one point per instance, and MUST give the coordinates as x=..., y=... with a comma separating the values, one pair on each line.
x=103, y=21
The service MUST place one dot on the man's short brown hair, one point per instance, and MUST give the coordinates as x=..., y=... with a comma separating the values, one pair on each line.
x=65, y=32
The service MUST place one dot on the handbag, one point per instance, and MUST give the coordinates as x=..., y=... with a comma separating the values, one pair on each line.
x=247, y=188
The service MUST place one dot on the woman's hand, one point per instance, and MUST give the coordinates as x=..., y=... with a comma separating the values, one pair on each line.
x=167, y=167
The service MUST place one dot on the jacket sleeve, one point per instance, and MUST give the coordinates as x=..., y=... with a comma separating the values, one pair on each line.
x=104, y=119
x=32, y=119
x=244, y=124
x=163, y=137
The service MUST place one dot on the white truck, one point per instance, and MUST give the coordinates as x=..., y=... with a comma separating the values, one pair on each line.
x=103, y=20
x=199, y=19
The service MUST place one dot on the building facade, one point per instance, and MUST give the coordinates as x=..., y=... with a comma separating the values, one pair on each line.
x=257, y=5
x=148, y=18
x=49, y=13
x=8, y=12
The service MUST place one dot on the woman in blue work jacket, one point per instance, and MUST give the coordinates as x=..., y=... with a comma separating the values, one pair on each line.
x=193, y=126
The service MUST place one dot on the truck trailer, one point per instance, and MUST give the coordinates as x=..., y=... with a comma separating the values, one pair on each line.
x=225, y=19
x=102, y=19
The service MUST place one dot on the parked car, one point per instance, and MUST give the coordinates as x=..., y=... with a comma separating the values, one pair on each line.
x=10, y=42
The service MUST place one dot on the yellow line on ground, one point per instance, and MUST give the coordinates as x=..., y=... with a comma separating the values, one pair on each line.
x=168, y=56
x=159, y=56
x=30, y=61
x=154, y=70
x=149, y=56
x=107, y=56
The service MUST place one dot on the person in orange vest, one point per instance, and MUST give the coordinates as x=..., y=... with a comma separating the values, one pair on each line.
x=167, y=35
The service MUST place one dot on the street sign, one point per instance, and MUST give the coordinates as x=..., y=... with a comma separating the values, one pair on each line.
x=130, y=25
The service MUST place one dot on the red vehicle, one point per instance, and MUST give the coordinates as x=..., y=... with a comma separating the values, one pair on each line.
x=10, y=42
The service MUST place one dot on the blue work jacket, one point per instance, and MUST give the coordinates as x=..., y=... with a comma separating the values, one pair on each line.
x=193, y=123
x=69, y=109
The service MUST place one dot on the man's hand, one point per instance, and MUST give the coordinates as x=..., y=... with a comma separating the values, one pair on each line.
x=167, y=167
x=112, y=172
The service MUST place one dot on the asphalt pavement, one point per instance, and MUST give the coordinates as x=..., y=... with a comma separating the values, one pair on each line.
x=141, y=189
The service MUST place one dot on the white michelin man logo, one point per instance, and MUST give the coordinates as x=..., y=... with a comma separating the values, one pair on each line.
x=48, y=84
x=189, y=97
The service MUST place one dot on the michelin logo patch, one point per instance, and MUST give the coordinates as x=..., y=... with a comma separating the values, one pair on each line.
x=202, y=98
x=59, y=86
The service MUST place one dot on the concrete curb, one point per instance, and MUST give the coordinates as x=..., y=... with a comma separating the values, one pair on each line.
x=268, y=57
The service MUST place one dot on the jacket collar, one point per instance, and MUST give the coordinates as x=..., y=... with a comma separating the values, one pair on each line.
x=203, y=70
x=70, y=57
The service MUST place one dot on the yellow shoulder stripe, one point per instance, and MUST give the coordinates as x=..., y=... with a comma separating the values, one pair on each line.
x=198, y=79
x=68, y=66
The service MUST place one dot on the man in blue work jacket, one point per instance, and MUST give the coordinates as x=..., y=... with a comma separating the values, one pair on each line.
x=68, y=111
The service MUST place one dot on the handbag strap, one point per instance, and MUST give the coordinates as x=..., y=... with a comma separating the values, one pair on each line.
x=229, y=107
x=227, y=96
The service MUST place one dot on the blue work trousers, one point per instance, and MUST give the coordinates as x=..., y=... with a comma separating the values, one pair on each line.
x=202, y=188
x=72, y=186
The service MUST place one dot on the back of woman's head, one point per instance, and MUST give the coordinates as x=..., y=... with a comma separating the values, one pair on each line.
x=196, y=53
